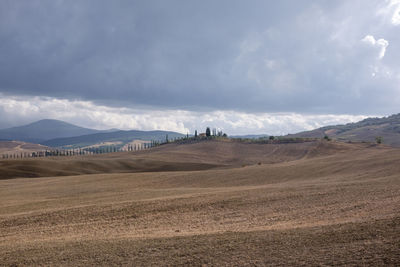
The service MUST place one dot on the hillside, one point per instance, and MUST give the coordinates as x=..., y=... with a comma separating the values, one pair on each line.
x=365, y=130
x=18, y=147
x=42, y=130
x=250, y=136
x=54, y=133
x=208, y=154
x=208, y=203
x=117, y=136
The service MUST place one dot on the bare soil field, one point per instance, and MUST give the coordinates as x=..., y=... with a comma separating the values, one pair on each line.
x=206, y=203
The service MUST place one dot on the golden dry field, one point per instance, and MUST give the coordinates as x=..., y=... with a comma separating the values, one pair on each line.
x=214, y=203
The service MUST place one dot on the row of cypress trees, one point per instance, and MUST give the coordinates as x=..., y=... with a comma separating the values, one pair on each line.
x=80, y=151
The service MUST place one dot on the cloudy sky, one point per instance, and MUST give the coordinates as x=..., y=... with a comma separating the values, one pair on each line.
x=242, y=66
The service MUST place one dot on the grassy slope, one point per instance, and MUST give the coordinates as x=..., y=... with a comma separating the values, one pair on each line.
x=327, y=203
x=365, y=130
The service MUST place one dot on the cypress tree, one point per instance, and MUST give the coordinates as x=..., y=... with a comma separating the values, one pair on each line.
x=208, y=132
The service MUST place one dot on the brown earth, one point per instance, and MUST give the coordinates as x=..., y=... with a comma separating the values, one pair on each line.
x=172, y=157
x=206, y=203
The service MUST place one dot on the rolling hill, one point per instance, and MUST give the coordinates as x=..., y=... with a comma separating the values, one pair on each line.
x=42, y=130
x=210, y=203
x=120, y=136
x=200, y=155
x=18, y=147
x=55, y=133
x=365, y=130
x=250, y=136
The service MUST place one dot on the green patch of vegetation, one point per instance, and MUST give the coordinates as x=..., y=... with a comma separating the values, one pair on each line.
x=379, y=139
x=275, y=140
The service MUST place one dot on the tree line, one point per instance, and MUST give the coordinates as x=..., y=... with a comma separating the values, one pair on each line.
x=209, y=133
x=80, y=151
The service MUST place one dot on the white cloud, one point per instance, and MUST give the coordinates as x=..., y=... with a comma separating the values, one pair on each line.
x=380, y=44
x=17, y=110
x=268, y=56
x=391, y=12
x=395, y=7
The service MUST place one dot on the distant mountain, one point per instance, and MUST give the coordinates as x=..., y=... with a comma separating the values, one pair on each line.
x=365, y=130
x=42, y=130
x=118, y=136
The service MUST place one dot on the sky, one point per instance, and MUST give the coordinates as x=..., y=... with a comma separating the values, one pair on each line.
x=244, y=67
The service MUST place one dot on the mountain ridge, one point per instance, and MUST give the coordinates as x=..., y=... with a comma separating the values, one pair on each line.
x=56, y=133
x=39, y=131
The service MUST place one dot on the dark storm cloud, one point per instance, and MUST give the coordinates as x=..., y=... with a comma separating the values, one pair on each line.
x=302, y=56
